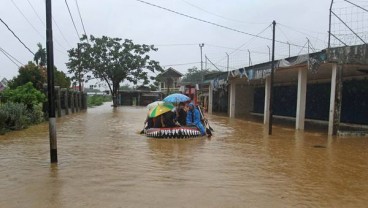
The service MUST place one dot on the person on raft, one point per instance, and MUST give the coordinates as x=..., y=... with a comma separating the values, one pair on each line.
x=194, y=118
x=181, y=114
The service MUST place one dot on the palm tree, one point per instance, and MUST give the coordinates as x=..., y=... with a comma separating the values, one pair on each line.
x=40, y=55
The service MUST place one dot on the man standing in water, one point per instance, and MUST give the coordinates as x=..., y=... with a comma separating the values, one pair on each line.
x=194, y=118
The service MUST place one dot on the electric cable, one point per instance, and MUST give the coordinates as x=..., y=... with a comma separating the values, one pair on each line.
x=80, y=16
x=10, y=57
x=71, y=16
x=16, y=36
x=212, y=23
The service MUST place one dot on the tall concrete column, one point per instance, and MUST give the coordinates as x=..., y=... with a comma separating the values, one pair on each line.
x=66, y=101
x=266, y=111
x=332, y=99
x=210, y=98
x=232, y=100
x=72, y=102
x=335, y=99
x=301, y=100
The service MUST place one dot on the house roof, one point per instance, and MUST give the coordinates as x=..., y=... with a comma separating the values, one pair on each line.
x=170, y=72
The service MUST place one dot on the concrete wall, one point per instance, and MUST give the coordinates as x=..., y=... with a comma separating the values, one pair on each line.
x=244, y=100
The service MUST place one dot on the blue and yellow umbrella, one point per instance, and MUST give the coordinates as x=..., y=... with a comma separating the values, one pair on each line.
x=160, y=109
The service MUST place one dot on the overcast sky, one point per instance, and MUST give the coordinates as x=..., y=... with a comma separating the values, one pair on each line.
x=177, y=37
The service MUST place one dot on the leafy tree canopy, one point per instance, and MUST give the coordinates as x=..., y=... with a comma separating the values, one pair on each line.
x=40, y=55
x=38, y=76
x=29, y=73
x=113, y=61
x=195, y=75
x=26, y=94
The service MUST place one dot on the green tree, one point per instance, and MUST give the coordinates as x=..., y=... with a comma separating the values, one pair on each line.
x=38, y=76
x=195, y=75
x=113, y=61
x=126, y=87
x=40, y=55
x=26, y=94
x=61, y=79
x=29, y=73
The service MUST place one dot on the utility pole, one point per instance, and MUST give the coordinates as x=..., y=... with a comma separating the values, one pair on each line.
x=289, y=48
x=50, y=83
x=272, y=75
x=227, y=65
x=308, y=45
x=201, y=46
x=249, y=58
x=205, y=62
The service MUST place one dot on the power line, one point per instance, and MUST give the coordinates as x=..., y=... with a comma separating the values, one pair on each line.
x=291, y=28
x=225, y=47
x=38, y=16
x=215, y=24
x=181, y=64
x=176, y=44
x=17, y=37
x=214, y=14
x=38, y=32
x=10, y=57
x=237, y=49
x=61, y=33
x=70, y=14
x=250, y=39
x=43, y=23
x=80, y=16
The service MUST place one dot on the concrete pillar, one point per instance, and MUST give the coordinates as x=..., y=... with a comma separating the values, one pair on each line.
x=232, y=100
x=66, y=102
x=301, y=99
x=266, y=111
x=335, y=99
x=76, y=99
x=72, y=101
x=210, y=98
x=80, y=101
x=332, y=99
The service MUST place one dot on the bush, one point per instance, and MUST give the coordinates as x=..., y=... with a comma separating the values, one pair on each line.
x=97, y=100
x=36, y=114
x=13, y=116
x=26, y=94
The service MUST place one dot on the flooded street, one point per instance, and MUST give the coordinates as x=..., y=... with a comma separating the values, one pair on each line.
x=105, y=162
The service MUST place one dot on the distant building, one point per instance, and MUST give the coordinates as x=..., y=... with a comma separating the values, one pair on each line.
x=138, y=97
x=168, y=81
x=3, y=84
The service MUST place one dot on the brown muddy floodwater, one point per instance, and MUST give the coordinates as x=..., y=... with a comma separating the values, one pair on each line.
x=104, y=162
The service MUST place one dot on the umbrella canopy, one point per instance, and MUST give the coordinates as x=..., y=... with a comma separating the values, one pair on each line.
x=160, y=109
x=154, y=104
x=176, y=98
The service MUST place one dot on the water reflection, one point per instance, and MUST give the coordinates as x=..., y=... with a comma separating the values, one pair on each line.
x=105, y=162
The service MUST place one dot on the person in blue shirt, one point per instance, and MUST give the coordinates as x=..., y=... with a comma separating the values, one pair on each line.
x=194, y=118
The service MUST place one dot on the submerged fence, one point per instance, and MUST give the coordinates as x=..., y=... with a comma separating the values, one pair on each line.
x=67, y=101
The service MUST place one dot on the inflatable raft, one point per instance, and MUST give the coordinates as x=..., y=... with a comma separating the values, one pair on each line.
x=175, y=132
